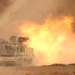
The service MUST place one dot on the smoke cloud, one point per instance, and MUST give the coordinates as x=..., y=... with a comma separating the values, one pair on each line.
x=15, y=12
x=34, y=10
x=4, y=4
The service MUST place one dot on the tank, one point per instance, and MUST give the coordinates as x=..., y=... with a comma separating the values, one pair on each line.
x=15, y=53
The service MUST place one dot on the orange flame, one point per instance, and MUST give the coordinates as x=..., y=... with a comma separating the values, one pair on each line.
x=46, y=39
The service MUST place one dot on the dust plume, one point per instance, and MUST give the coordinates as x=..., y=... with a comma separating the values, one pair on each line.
x=15, y=11
x=4, y=4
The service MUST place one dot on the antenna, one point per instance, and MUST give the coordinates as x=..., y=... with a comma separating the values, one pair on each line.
x=17, y=33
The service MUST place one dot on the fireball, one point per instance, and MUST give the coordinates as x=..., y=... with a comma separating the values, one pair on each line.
x=46, y=38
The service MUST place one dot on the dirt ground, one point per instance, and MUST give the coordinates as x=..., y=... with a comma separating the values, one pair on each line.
x=44, y=70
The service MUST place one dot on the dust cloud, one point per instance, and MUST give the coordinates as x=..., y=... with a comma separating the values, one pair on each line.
x=35, y=10
x=14, y=12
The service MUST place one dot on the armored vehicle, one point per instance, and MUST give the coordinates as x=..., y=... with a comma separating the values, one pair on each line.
x=15, y=53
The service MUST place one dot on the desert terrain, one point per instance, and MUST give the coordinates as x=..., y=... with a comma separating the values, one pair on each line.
x=43, y=70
